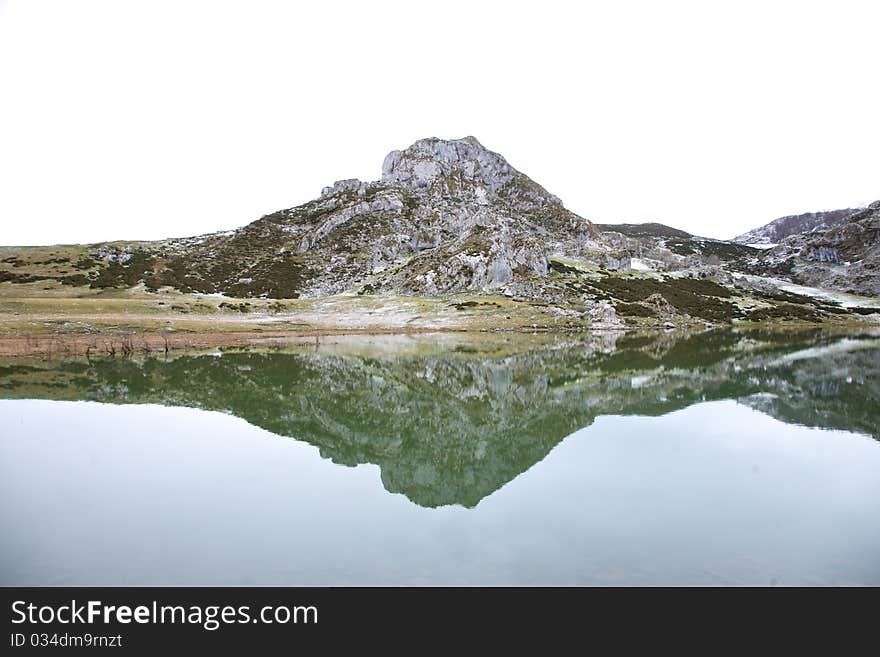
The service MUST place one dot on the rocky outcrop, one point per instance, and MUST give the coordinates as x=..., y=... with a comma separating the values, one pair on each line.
x=461, y=166
x=446, y=216
x=845, y=258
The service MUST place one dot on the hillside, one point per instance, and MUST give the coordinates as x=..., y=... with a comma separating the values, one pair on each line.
x=664, y=248
x=796, y=224
x=445, y=216
x=845, y=257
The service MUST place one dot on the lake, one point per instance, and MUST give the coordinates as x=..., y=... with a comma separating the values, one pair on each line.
x=723, y=458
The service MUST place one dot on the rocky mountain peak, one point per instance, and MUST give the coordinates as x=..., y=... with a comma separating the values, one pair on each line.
x=460, y=168
x=446, y=216
x=420, y=165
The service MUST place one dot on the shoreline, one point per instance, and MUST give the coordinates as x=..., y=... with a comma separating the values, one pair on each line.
x=132, y=321
x=152, y=342
x=131, y=343
x=143, y=342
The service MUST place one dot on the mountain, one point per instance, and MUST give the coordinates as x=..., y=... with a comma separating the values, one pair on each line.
x=795, y=224
x=451, y=217
x=845, y=257
x=445, y=216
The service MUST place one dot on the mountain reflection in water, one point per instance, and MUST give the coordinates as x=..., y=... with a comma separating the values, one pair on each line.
x=449, y=420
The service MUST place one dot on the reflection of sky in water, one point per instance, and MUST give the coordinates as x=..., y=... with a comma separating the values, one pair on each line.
x=715, y=493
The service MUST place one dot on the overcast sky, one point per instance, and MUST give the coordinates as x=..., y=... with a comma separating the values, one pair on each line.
x=140, y=120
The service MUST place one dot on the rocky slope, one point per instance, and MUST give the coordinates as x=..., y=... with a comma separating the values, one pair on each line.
x=445, y=216
x=664, y=248
x=845, y=257
x=796, y=224
x=836, y=250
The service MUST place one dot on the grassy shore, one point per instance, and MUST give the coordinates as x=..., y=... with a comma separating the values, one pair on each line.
x=46, y=310
x=34, y=320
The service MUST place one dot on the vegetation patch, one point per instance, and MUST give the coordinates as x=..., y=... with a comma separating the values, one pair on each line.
x=281, y=278
x=701, y=286
x=634, y=310
x=75, y=280
x=85, y=263
x=467, y=305
x=694, y=297
x=832, y=309
x=787, y=297
x=785, y=311
x=650, y=229
x=128, y=274
x=241, y=307
x=11, y=277
x=562, y=268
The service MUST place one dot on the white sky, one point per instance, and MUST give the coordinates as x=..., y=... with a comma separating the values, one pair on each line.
x=130, y=120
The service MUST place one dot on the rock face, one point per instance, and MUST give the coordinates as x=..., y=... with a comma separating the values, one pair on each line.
x=845, y=257
x=796, y=224
x=432, y=162
x=446, y=216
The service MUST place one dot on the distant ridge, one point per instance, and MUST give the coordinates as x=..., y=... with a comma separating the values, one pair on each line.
x=795, y=224
x=652, y=229
x=844, y=257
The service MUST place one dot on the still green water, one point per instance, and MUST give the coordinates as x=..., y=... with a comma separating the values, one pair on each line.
x=720, y=458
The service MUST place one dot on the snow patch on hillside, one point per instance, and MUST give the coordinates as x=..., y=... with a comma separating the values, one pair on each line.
x=843, y=298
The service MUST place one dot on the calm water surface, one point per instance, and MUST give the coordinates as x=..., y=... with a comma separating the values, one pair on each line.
x=715, y=459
